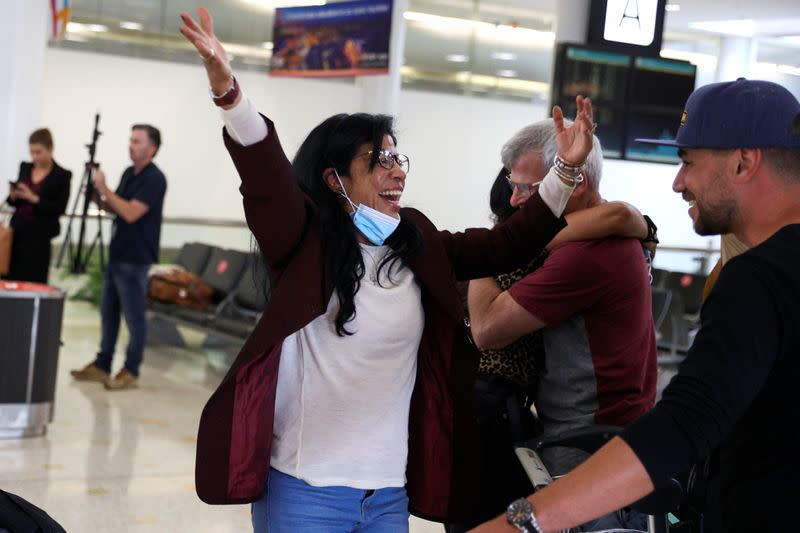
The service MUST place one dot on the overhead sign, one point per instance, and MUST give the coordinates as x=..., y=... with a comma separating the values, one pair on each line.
x=344, y=39
x=630, y=26
x=631, y=21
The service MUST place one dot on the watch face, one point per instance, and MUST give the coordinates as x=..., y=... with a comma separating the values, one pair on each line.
x=519, y=511
x=631, y=21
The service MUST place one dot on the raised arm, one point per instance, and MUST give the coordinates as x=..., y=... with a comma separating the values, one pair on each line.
x=242, y=121
x=478, y=253
x=215, y=59
x=271, y=197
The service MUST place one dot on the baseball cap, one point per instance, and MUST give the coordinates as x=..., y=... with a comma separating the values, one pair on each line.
x=738, y=114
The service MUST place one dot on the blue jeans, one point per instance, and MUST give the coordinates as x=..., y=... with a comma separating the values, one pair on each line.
x=290, y=505
x=124, y=293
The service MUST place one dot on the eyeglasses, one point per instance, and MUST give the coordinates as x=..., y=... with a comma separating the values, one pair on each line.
x=525, y=189
x=387, y=159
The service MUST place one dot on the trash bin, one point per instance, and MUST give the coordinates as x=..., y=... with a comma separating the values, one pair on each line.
x=30, y=337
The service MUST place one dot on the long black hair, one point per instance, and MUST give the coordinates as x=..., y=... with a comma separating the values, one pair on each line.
x=333, y=144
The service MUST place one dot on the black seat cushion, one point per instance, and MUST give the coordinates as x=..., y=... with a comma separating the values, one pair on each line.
x=690, y=287
x=253, y=287
x=194, y=256
x=224, y=270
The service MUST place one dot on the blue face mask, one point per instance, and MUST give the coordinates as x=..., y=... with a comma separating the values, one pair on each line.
x=374, y=225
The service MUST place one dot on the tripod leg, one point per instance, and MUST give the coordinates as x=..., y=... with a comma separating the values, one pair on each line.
x=88, y=255
x=100, y=240
x=96, y=241
x=66, y=245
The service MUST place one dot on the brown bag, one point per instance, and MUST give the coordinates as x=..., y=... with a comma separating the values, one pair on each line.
x=186, y=289
x=6, y=238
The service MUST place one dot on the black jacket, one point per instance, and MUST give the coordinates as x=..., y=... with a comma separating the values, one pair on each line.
x=52, y=199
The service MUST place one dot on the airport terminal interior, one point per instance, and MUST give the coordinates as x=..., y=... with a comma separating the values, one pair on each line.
x=460, y=77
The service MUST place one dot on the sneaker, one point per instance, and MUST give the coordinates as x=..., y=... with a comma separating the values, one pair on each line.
x=123, y=380
x=90, y=372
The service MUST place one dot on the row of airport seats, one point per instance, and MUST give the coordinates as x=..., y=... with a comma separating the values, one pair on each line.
x=677, y=300
x=240, y=294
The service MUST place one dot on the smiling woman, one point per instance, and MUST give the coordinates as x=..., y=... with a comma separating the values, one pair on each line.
x=349, y=405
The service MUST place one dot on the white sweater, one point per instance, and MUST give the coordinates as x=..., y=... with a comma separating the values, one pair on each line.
x=342, y=406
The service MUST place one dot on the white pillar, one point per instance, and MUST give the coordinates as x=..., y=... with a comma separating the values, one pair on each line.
x=572, y=21
x=381, y=94
x=737, y=55
x=24, y=29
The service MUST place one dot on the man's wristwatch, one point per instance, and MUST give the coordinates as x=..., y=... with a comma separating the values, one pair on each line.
x=520, y=514
x=652, y=230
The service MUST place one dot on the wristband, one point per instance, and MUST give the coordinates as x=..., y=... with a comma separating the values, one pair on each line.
x=568, y=167
x=229, y=96
x=651, y=230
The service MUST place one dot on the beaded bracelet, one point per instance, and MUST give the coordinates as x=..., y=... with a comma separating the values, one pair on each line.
x=568, y=176
x=563, y=165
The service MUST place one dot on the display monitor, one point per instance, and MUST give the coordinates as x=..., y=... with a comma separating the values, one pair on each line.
x=633, y=96
x=644, y=125
x=661, y=82
x=341, y=39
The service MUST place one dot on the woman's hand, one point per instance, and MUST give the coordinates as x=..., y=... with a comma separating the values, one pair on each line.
x=218, y=67
x=23, y=192
x=575, y=142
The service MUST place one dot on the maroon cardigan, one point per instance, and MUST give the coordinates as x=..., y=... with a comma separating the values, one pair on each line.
x=233, y=445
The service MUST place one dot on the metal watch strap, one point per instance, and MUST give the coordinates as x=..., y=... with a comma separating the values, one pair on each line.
x=528, y=524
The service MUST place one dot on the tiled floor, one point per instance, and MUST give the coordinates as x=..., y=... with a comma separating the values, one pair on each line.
x=124, y=461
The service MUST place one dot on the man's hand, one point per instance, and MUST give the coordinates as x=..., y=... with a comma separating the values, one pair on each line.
x=651, y=247
x=99, y=180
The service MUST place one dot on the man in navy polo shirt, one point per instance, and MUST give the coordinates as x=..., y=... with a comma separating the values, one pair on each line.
x=137, y=203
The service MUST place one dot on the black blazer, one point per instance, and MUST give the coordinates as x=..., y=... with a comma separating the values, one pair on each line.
x=52, y=199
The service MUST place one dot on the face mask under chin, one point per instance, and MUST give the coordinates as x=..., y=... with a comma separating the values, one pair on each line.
x=374, y=225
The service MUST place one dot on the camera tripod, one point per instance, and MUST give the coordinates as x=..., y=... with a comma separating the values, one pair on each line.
x=77, y=259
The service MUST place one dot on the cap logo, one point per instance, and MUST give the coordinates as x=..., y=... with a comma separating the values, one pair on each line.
x=684, y=115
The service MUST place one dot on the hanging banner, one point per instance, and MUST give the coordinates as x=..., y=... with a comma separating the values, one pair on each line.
x=59, y=17
x=343, y=39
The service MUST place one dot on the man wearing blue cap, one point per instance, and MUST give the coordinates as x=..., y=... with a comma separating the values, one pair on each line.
x=736, y=392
